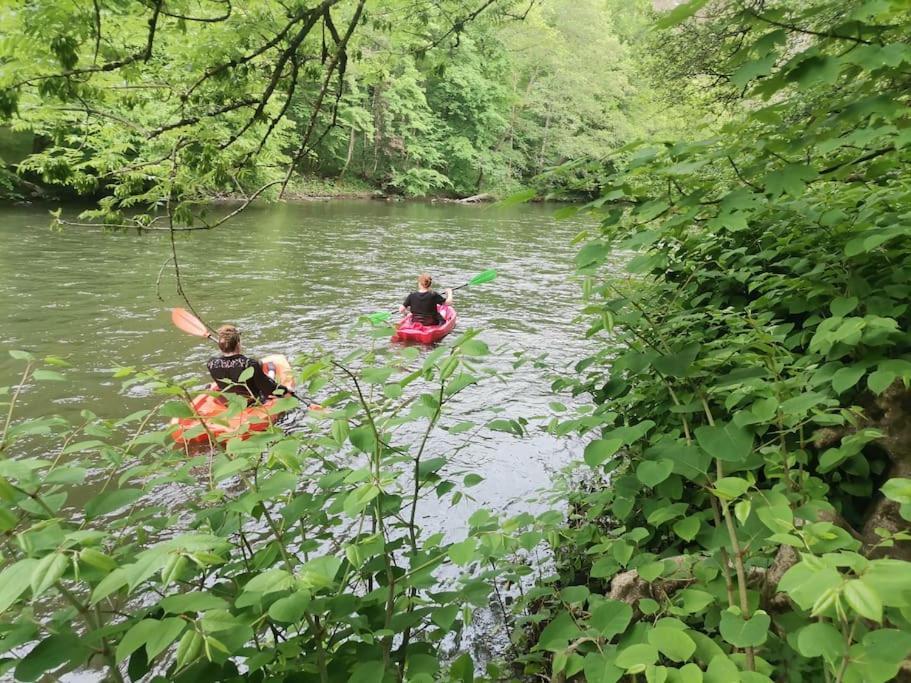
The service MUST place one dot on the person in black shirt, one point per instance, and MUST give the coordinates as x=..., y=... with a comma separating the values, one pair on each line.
x=423, y=303
x=227, y=369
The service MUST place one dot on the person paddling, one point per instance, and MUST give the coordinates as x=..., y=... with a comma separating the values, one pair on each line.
x=423, y=303
x=227, y=369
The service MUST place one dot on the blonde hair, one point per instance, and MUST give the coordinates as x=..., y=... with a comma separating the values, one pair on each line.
x=424, y=280
x=228, y=338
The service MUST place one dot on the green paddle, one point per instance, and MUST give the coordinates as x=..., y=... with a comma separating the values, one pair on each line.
x=478, y=279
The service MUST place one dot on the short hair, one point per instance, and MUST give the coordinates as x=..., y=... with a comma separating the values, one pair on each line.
x=228, y=338
x=424, y=280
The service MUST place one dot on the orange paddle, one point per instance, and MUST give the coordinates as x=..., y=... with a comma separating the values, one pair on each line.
x=189, y=323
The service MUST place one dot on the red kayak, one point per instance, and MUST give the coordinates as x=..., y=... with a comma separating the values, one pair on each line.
x=409, y=330
x=211, y=410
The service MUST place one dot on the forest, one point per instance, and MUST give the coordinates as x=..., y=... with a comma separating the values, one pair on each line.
x=415, y=102
x=738, y=403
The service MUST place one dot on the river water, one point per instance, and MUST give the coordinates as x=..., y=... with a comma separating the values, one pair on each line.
x=294, y=277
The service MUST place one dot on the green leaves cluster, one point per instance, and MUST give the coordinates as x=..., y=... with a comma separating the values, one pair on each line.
x=760, y=332
x=280, y=555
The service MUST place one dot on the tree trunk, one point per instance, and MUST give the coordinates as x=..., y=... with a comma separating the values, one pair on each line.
x=377, y=128
x=544, y=143
x=351, y=140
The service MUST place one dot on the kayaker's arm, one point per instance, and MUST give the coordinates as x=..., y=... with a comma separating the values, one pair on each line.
x=448, y=293
x=263, y=386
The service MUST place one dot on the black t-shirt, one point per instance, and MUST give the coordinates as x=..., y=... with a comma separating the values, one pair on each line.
x=226, y=371
x=423, y=306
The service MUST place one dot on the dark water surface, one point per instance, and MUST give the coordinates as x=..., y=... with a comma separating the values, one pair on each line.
x=294, y=277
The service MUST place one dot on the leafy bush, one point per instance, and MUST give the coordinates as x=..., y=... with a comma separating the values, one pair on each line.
x=285, y=556
x=751, y=398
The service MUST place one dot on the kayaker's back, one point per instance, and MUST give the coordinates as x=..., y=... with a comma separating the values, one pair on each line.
x=423, y=306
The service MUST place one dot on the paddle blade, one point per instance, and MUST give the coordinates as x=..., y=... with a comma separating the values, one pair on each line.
x=189, y=323
x=481, y=278
x=377, y=318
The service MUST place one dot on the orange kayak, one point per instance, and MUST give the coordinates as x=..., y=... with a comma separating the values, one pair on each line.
x=409, y=330
x=211, y=411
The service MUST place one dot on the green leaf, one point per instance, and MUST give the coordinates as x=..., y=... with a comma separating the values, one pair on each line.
x=880, y=380
x=721, y=670
x=445, y=616
x=363, y=439
x=600, y=450
x=725, y=442
x=47, y=571
x=672, y=643
x=864, y=600
x=790, y=179
x=462, y=553
x=687, y=528
x=557, y=634
x=376, y=375
x=821, y=640
x=666, y=513
x=224, y=468
x=50, y=653
x=843, y=305
x=392, y=390
x=635, y=658
x=598, y=668
x=269, y=581
x=731, y=487
x=676, y=364
x=693, y=601
x=610, y=618
x=462, y=669
x=475, y=347
x=753, y=69
x=14, y=580
x=154, y=634
x=651, y=570
x=319, y=572
x=110, y=501
x=651, y=473
x=741, y=632
x=898, y=489
x=367, y=672
x=680, y=13
x=48, y=376
x=847, y=377
x=191, y=602
x=168, y=631
x=518, y=198
x=357, y=500
x=290, y=609
x=592, y=253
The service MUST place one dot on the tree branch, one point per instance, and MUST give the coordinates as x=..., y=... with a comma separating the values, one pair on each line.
x=806, y=31
x=204, y=20
x=142, y=56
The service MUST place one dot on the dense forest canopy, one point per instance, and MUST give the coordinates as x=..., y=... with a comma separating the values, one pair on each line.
x=132, y=101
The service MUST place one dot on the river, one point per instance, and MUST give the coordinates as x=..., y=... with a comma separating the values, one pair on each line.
x=294, y=277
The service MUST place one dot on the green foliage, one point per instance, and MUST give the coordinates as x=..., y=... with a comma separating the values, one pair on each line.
x=281, y=555
x=134, y=106
x=758, y=526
